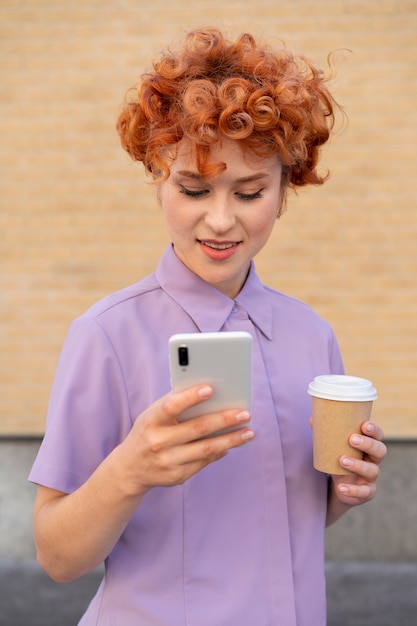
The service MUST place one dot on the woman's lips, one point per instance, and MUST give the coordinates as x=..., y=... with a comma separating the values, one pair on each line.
x=218, y=250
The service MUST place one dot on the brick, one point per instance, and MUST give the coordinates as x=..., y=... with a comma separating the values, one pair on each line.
x=78, y=221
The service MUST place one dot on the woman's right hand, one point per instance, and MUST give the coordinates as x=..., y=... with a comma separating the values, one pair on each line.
x=161, y=451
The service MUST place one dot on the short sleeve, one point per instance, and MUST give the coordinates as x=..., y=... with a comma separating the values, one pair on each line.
x=88, y=414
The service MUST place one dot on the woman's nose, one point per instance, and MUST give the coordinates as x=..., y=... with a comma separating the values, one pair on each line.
x=220, y=216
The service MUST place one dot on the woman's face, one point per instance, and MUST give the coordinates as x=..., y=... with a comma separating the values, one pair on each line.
x=217, y=226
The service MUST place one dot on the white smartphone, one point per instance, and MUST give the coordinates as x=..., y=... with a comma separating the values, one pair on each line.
x=221, y=359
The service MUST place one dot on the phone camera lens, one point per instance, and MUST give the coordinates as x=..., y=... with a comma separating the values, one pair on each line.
x=183, y=355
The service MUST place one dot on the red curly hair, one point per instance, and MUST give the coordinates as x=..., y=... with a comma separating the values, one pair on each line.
x=268, y=99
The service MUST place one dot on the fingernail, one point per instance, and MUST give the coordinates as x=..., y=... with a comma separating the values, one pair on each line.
x=347, y=462
x=356, y=440
x=369, y=428
x=243, y=416
x=205, y=392
x=247, y=435
x=344, y=489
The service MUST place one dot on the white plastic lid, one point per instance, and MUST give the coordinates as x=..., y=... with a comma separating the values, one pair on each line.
x=344, y=388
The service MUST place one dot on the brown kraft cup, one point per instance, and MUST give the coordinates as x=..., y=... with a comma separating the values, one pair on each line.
x=340, y=404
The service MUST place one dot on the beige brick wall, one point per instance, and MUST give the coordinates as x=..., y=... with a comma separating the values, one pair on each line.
x=77, y=221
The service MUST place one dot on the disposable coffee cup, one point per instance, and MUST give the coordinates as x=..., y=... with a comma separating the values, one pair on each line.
x=340, y=405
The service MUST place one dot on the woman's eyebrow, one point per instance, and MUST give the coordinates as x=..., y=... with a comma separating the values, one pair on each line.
x=252, y=177
x=190, y=174
x=243, y=179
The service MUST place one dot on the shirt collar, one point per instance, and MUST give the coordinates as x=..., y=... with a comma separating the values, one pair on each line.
x=208, y=307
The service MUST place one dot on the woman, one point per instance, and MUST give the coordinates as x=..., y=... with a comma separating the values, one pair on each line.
x=193, y=530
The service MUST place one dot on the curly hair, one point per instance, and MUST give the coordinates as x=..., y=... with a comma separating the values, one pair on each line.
x=268, y=99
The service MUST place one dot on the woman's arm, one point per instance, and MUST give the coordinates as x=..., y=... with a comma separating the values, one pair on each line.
x=75, y=532
x=359, y=487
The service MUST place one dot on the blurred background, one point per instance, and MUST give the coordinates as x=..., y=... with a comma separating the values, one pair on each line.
x=79, y=220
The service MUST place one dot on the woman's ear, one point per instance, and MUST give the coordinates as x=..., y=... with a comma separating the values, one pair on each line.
x=285, y=181
x=282, y=200
x=159, y=193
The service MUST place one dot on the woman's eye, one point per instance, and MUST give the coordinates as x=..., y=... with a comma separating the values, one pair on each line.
x=250, y=196
x=193, y=193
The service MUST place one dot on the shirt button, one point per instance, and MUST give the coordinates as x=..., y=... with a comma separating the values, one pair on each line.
x=235, y=309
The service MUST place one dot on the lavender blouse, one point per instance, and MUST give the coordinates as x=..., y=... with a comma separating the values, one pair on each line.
x=240, y=543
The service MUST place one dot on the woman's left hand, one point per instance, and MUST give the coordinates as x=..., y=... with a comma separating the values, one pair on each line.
x=359, y=486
